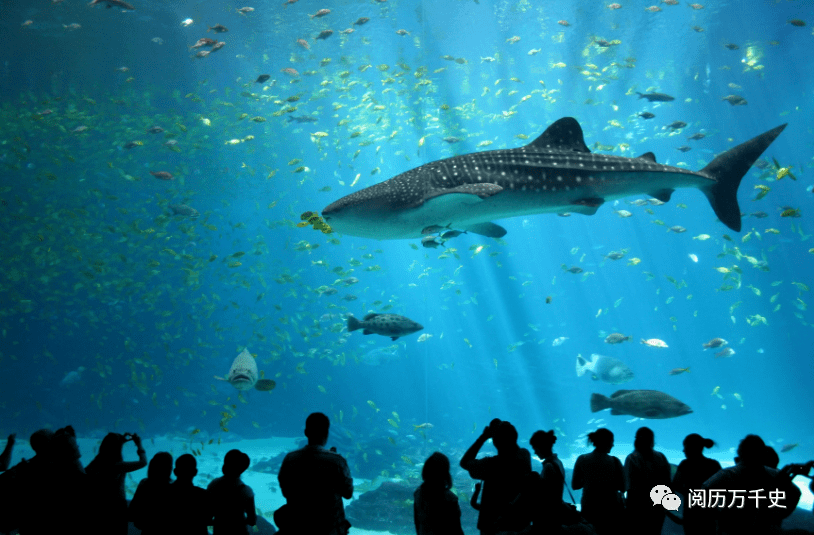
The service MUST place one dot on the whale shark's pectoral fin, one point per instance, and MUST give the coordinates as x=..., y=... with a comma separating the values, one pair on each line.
x=477, y=191
x=264, y=385
x=663, y=194
x=490, y=230
x=587, y=206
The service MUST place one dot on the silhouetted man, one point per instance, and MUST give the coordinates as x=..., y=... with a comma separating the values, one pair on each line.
x=750, y=497
x=502, y=474
x=314, y=480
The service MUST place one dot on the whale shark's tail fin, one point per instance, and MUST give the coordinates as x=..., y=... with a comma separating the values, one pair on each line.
x=728, y=169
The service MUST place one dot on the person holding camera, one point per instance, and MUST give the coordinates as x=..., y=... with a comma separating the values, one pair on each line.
x=765, y=496
x=503, y=476
x=314, y=480
x=106, y=473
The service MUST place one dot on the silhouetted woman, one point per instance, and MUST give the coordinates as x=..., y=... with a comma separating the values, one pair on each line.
x=602, y=479
x=149, y=508
x=645, y=468
x=691, y=475
x=546, y=511
x=106, y=473
x=435, y=507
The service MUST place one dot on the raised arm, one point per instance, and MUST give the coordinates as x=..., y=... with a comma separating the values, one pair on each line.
x=472, y=452
x=5, y=457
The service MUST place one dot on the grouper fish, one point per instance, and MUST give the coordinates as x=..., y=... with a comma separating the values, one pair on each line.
x=243, y=374
x=555, y=173
x=391, y=325
x=640, y=403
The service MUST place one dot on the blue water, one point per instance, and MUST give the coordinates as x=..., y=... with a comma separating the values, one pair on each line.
x=86, y=279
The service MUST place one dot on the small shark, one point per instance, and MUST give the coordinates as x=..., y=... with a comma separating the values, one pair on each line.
x=555, y=173
x=243, y=374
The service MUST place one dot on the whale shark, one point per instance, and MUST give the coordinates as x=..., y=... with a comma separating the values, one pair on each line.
x=243, y=374
x=555, y=173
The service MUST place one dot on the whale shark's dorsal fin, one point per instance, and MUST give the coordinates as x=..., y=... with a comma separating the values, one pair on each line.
x=649, y=156
x=564, y=134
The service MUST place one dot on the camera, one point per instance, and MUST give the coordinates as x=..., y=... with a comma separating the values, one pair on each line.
x=797, y=469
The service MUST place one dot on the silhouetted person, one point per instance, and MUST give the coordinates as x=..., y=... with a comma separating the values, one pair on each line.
x=314, y=480
x=547, y=505
x=148, y=509
x=107, y=514
x=540, y=500
x=602, y=479
x=758, y=485
x=20, y=484
x=770, y=457
x=54, y=489
x=435, y=507
x=189, y=508
x=691, y=474
x=231, y=500
x=5, y=457
x=503, y=474
x=645, y=468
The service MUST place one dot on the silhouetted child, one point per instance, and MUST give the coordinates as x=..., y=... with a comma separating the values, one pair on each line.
x=107, y=513
x=603, y=480
x=691, y=474
x=435, y=507
x=314, y=480
x=645, y=468
x=232, y=501
x=503, y=474
x=189, y=510
x=148, y=508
